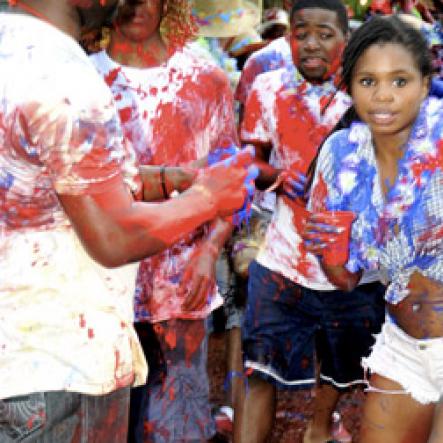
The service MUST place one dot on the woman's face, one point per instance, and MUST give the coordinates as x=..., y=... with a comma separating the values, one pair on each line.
x=387, y=89
x=145, y=21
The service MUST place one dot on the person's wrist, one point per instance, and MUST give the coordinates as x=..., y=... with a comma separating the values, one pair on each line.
x=207, y=198
x=212, y=249
x=163, y=182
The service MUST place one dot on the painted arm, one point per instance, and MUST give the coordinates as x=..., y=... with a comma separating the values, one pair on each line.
x=282, y=181
x=199, y=277
x=116, y=230
x=267, y=173
x=175, y=178
x=318, y=236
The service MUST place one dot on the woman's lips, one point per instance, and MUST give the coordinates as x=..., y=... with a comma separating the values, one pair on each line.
x=382, y=117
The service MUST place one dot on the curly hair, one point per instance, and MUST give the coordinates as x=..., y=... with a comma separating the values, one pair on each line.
x=177, y=27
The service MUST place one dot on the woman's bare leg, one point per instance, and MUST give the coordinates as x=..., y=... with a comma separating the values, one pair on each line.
x=437, y=425
x=394, y=418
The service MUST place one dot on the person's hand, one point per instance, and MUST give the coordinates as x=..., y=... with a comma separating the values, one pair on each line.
x=229, y=183
x=318, y=235
x=289, y=183
x=198, y=279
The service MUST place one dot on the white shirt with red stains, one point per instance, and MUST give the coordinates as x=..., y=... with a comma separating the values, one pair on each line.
x=65, y=321
x=172, y=114
x=284, y=110
x=273, y=56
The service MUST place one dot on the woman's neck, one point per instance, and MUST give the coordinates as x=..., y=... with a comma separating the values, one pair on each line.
x=390, y=148
x=148, y=53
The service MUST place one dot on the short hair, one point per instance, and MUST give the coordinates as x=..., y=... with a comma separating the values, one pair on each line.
x=336, y=6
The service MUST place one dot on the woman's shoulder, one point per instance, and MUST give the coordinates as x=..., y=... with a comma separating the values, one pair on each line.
x=352, y=141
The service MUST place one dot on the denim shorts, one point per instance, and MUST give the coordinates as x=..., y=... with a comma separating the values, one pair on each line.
x=286, y=326
x=60, y=417
x=416, y=364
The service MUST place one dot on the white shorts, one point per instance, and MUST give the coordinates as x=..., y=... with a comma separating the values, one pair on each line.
x=417, y=365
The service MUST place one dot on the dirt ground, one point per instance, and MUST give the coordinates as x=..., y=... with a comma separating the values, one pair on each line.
x=293, y=409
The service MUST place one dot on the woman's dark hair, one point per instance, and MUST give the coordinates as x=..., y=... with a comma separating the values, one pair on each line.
x=336, y=6
x=376, y=31
x=383, y=30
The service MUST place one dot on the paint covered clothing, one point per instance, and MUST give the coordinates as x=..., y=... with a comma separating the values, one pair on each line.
x=348, y=178
x=283, y=110
x=172, y=114
x=65, y=321
x=273, y=56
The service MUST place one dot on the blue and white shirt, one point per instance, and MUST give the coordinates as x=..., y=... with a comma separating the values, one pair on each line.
x=403, y=232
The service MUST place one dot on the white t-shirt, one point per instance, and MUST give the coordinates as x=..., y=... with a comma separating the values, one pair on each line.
x=65, y=321
x=172, y=114
x=283, y=110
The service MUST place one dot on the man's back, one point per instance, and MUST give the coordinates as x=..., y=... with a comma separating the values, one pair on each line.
x=61, y=313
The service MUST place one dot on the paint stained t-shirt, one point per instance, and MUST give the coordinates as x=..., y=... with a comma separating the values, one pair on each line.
x=402, y=232
x=65, y=321
x=284, y=110
x=172, y=114
x=273, y=56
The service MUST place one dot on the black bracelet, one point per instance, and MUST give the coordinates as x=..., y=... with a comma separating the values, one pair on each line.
x=163, y=181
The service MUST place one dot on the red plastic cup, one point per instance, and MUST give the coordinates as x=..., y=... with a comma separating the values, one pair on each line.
x=337, y=253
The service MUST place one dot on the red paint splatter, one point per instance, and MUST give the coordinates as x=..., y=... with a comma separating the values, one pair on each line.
x=125, y=114
x=82, y=321
x=171, y=393
x=111, y=76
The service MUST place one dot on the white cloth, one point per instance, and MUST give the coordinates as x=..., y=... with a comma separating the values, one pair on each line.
x=65, y=321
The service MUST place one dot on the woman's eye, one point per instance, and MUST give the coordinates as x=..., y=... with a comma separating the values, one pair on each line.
x=400, y=82
x=366, y=82
x=326, y=36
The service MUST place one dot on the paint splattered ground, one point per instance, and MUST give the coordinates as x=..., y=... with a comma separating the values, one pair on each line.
x=293, y=409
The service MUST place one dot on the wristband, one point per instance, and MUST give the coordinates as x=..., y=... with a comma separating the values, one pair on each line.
x=163, y=181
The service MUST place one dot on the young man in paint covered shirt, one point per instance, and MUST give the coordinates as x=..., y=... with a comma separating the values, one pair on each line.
x=68, y=350
x=288, y=114
x=175, y=109
x=275, y=55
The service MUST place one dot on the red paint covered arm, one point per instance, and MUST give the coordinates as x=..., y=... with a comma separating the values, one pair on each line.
x=116, y=230
x=199, y=276
x=175, y=179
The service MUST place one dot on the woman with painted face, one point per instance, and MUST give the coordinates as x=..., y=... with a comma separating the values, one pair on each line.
x=386, y=166
x=174, y=109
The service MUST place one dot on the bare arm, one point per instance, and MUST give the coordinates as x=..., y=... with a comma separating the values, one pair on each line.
x=268, y=174
x=116, y=230
x=199, y=275
x=176, y=178
x=339, y=276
